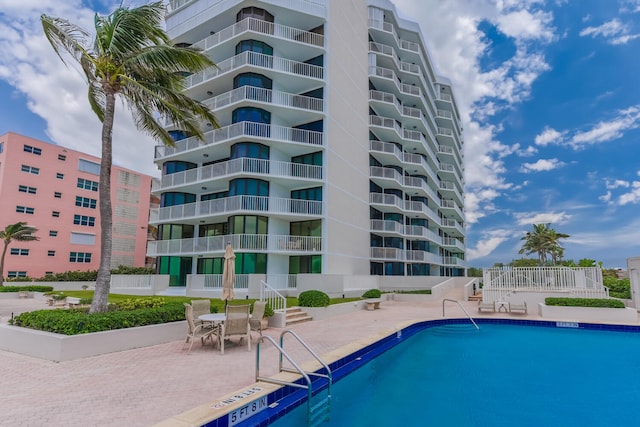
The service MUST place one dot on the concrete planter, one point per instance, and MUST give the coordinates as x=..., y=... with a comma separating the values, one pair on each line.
x=59, y=348
x=588, y=314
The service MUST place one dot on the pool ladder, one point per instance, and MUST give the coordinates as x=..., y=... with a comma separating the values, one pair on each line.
x=463, y=309
x=317, y=413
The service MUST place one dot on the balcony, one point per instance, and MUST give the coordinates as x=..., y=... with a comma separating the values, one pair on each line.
x=270, y=168
x=257, y=60
x=419, y=207
x=418, y=231
x=262, y=27
x=267, y=96
x=242, y=130
x=414, y=183
x=453, y=261
x=452, y=224
x=449, y=188
x=215, y=245
x=386, y=202
x=402, y=255
x=289, y=208
x=453, y=242
x=386, y=227
x=452, y=206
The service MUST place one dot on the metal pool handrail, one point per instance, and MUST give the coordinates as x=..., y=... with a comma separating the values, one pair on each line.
x=463, y=309
x=313, y=353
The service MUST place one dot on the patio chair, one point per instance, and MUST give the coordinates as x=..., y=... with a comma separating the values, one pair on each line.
x=200, y=306
x=236, y=324
x=256, y=317
x=202, y=331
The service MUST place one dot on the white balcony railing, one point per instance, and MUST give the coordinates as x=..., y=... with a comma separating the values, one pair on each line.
x=258, y=60
x=243, y=165
x=243, y=129
x=262, y=27
x=273, y=97
x=229, y=205
x=240, y=242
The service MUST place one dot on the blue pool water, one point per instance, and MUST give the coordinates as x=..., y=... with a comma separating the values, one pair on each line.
x=501, y=375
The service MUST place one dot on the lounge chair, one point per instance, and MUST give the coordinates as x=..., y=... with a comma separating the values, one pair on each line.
x=486, y=306
x=518, y=308
x=203, y=331
x=200, y=306
x=236, y=324
x=256, y=317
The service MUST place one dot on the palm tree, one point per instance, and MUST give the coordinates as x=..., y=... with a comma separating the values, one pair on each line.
x=130, y=57
x=20, y=232
x=543, y=241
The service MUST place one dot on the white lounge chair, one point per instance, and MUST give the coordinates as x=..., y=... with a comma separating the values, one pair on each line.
x=518, y=308
x=486, y=306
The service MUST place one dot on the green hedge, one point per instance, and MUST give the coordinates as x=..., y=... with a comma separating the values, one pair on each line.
x=79, y=321
x=29, y=288
x=372, y=293
x=313, y=299
x=585, y=302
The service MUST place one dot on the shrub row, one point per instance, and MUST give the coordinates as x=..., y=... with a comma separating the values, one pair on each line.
x=89, y=275
x=29, y=288
x=585, y=302
x=79, y=321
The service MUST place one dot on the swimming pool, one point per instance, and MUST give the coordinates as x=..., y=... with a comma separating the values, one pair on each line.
x=526, y=374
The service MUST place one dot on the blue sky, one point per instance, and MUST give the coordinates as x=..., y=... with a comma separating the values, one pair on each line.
x=548, y=91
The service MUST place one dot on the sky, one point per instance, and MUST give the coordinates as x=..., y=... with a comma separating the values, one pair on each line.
x=548, y=92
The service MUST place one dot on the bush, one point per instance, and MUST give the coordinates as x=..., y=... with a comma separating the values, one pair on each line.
x=268, y=310
x=19, y=279
x=26, y=288
x=135, y=303
x=79, y=321
x=372, y=293
x=313, y=299
x=584, y=302
x=70, y=276
x=618, y=288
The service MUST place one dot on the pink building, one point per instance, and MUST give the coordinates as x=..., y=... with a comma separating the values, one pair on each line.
x=55, y=189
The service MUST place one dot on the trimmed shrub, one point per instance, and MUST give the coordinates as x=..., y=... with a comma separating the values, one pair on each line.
x=26, y=288
x=372, y=293
x=135, y=303
x=268, y=310
x=585, y=302
x=79, y=321
x=313, y=299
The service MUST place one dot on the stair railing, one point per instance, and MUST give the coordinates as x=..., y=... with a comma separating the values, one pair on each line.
x=276, y=301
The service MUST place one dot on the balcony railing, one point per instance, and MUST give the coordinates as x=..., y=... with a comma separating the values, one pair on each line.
x=243, y=129
x=241, y=242
x=274, y=97
x=242, y=166
x=395, y=254
x=387, y=226
x=386, y=199
x=229, y=205
x=450, y=241
x=259, y=60
x=262, y=27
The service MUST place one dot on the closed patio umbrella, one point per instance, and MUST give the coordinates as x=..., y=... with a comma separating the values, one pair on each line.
x=228, y=274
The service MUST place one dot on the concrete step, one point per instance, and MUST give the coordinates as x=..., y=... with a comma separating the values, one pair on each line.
x=476, y=297
x=296, y=315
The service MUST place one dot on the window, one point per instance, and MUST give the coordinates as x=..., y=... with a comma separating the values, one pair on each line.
x=251, y=150
x=53, y=233
x=79, y=257
x=308, y=194
x=89, y=167
x=87, y=184
x=248, y=187
x=34, y=150
x=30, y=169
x=51, y=253
x=25, y=210
x=85, y=202
x=18, y=251
x=25, y=189
x=252, y=79
x=309, y=159
x=172, y=167
x=62, y=157
x=254, y=46
x=87, y=221
x=173, y=199
x=17, y=274
x=55, y=214
x=1, y=147
x=251, y=114
x=82, y=239
x=57, y=195
x=60, y=175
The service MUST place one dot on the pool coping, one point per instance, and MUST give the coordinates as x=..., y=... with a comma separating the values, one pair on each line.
x=281, y=400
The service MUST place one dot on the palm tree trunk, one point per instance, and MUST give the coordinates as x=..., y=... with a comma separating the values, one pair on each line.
x=103, y=281
x=4, y=252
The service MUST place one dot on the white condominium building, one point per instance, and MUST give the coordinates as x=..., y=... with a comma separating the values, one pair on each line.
x=338, y=151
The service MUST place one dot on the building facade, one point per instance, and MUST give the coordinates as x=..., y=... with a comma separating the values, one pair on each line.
x=339, y=150
x=55, y=189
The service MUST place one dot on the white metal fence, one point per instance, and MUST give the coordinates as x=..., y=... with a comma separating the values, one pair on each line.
x=501, y=283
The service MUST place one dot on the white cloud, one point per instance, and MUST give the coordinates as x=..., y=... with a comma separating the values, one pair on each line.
x=529, y=218
x=59, y=94
x=613, y=31
x=548, y=136
x=489, y=242
x=542, y=165
x=605, y=131
x=610, y=185
x=523, y=24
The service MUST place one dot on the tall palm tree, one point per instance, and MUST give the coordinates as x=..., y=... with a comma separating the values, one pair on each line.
x=20, y=232
x=131, y=57
x=543, y=241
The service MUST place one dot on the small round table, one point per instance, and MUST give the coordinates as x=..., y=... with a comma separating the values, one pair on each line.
x=213, y=317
